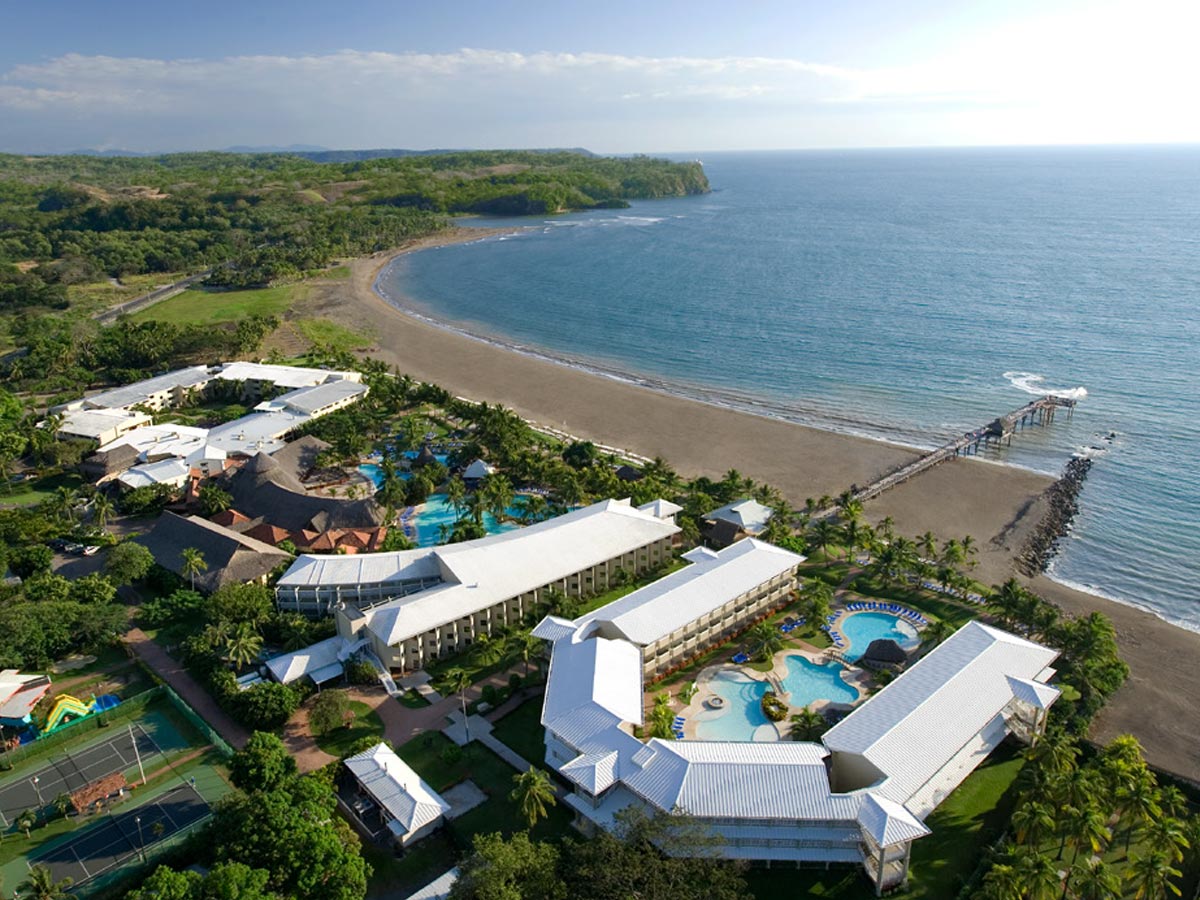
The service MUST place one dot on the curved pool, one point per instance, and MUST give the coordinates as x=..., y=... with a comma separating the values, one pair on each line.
x=742, y=717
x=860, y=628
x=807, y=681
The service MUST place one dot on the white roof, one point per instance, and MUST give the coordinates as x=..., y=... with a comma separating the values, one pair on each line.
x=778, y=780
x=410, y=802
x=289, y=667
x=313, y=569
x=593, y=771
x=711, y=581
x=916, y=724
x=1032, y=692
x=258, y=431
x=438, y=889
x=141, y=391
x=478, y=469
x=552, y=628
x=661, y=509
x=749, y=515
x=96, y=423
x=596, y=683
x=887, y=822
x=166, y=471
x=282, y=376
x=161, y=440
x=310, y=400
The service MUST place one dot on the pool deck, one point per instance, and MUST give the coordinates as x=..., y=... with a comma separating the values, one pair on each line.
x=857, y=678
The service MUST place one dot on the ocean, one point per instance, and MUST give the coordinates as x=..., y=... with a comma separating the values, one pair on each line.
x=903, y=294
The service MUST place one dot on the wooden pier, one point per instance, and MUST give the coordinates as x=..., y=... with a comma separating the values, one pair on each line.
x=999, y=431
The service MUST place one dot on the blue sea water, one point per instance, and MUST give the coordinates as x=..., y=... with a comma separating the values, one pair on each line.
x=907, y=294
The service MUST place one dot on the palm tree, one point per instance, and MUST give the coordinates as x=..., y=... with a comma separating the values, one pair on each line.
x=459, y=682
x=533, y=508
x=40, y=885
x=1168, y=833
x=822, y=534
x=534, y=793
x=102, y=509
x=818, y=597
x=456, y=492
x=1032, y=822
x=528, y=645
x=1151, y=876
x=497, y=494
x=1007, y=600
x=26, y=821
x=807, y=725
x=1139, y=804
x=1039, y=874
x=487, y=650
x=852, y=533
x=243, y=646
x=193, y=564
x=1003, y=882
x=1086, y=828
x=766, y=639
x=1094, y=881
x=937, y=631
x=64, y=502
x=928, y=544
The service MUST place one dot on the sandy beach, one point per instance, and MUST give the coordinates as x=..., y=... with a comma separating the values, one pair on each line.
x=996, y=505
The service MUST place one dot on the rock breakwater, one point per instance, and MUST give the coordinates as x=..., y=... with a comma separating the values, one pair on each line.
x=1062, y=505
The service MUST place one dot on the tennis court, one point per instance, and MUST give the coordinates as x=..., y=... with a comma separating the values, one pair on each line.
x=70, y=771
x=110, y=843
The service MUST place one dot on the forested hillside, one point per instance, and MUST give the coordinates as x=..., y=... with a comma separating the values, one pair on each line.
x=273, y=217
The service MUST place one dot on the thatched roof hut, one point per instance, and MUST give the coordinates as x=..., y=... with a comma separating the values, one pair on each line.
x=884, y=652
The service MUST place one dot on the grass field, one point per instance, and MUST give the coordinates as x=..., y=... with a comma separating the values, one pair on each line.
x=399, y=877
x=327, y=333
x=366, y=724
x=522, y=731
x=103, y=294
x=38, y=489
x=200, y=307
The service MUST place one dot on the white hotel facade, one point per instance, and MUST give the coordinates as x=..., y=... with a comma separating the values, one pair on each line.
x=860, y=796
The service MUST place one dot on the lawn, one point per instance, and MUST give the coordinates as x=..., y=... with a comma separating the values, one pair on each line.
x=197, y=306
x=327, y=333
x=103, y=294
x=434, y=758
x=35, y=490
x=962, y=826
x=366, y=724
x=522, y=731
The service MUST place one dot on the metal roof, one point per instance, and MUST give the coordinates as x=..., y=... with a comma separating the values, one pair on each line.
x=887, y=822
x=399, y=790
x=478, y=469
x=1036, y=694
x=141, y=391
x=749, y=515
x=95, y=423
x=920, y=721
x=314, y=399
x=711, y=581
x=289, y=667
x=282, y=376
x=166, y=471
x=313, y=569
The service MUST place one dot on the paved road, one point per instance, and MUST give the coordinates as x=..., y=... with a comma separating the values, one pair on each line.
x=173, y=673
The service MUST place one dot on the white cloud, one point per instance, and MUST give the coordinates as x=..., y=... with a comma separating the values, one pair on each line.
x=1119, y=72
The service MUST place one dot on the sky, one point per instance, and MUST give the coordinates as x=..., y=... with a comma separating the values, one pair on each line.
x=615, y=77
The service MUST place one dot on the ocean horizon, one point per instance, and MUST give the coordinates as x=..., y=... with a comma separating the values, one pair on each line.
x=902, y=295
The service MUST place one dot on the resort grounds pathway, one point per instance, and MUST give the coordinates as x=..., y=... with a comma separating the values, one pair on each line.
x=174, y=674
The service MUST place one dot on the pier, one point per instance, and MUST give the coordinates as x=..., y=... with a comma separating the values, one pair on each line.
x=999, y=431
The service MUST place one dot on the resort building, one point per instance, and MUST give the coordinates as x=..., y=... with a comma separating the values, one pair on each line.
x=396, y=798
x=475, y=473
x=309, y=394
x=859, y=797
x=231, y=558
x=682, y=615
x=736, y=520
x=100, y=425
x=173, y=472
x=412, y=606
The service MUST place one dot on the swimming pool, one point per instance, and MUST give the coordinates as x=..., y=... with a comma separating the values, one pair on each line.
x=437, y=511
x=860, y=628
x=742, y=717
x=375, y=473
x=807, y=681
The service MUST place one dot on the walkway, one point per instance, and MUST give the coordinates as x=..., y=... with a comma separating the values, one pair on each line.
x=174, y=674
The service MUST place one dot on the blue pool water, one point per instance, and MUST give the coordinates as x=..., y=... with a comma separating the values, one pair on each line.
x=742, y=718
x=375, y=473
x=436, y=511
x=861, y=628
x=808, y=681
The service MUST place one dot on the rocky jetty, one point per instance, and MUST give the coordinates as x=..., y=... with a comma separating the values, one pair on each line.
x=1062, y=504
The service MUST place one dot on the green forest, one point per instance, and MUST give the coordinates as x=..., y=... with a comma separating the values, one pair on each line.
x=267, y=218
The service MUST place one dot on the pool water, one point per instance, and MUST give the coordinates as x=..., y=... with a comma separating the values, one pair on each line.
x=375, y=473
x=742, y=718
x=437, y=511
x=807, y=681
x=860, y=628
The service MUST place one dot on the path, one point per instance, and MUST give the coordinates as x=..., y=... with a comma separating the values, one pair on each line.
x=174, y=674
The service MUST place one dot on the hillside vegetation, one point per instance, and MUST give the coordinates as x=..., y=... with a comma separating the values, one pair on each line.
x=67, y=221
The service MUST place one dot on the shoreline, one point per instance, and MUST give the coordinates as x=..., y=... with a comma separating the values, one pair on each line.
x=998, y=504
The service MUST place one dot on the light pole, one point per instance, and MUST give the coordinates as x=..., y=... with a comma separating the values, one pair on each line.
x=141, y=840
x=34, y=781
